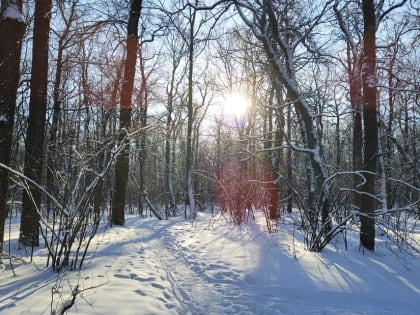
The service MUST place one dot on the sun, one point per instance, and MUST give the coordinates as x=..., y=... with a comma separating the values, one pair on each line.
x=235, y=104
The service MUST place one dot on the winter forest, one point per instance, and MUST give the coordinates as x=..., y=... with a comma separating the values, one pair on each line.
x=152, y=127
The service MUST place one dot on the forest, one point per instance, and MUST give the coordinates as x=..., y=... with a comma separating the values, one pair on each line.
x=238, y=107
x=209, y=156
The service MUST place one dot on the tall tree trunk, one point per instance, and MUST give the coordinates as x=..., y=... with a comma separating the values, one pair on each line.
x=190, y=116
x=268, y=125
x=98, y=199
x=368, y=204
x=354, y=73
x=287, y=76
x=143, y=103
x=168, y=162
x=122, y=162
x=51, y=162
x=289, y=161
x=171, y=91
x=279, y=47
x=389, y=134
x=12, y=28
x=357, y=154
x=277, y=158
x=35, y=134
x=274, y=157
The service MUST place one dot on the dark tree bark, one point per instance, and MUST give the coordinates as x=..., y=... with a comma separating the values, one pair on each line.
x=11, y=33
x=368, y=204
x=122, y=163
x=35, y=134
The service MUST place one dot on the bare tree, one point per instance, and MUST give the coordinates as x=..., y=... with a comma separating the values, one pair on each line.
x=12, y=27
x=35, y=134
x=190, y=38
x=354, y=52
x=122, y=163
x=176, y=52
x=281, y=33
x=370, y=157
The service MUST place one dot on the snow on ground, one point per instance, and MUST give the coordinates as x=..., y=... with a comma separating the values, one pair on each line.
x=211, y=267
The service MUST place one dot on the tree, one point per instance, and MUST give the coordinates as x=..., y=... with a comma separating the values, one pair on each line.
x=398, y=74
x=12, y=28
x=370, y=157
x=190, y=108
x=175, y=51
x=371, y=20
x=35, y=134
x=354, y=70
x=281, y=32
x=122, y=163
x=195, y=32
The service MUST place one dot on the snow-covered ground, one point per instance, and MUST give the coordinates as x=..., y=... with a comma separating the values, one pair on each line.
x=211, y=267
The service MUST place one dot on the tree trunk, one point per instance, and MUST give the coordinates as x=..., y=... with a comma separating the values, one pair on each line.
x=98, y=198
x=52, y=159
x=279, y=48
x=289, y=162
x=35, y=134
x=11, y=33
x=368, y=204
x=389, y=134
x=354, y=68
x=357, y=154
x=190, y=117
x=122, y=163
x=355, y=83
x=286, y=74
x=277, y=157
x=144, y=100
x=168, y=163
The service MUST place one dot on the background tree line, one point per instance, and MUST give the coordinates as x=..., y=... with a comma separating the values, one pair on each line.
x=117, y=108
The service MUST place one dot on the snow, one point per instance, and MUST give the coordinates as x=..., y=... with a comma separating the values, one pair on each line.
x=209, y=266
x=12, y=12
x=3, y=118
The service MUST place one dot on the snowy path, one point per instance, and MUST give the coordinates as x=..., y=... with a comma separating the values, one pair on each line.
x=184, y=268
x=173, y=270
x=205, y=288
x=180, y=274
x=210, y=267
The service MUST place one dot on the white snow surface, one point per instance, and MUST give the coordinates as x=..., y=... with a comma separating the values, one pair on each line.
x=12, y=12
x=212, y=267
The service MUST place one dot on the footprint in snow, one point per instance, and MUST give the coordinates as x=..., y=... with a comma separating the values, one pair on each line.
x=158, y=286
x=140, y=292
x=140, y=279
x=121, y=276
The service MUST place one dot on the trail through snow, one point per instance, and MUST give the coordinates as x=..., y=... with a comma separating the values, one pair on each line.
x=178, y=271
x=211, y=267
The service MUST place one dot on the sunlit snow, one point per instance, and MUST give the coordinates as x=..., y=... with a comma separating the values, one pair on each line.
x=211, y=267
x=12, y=12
